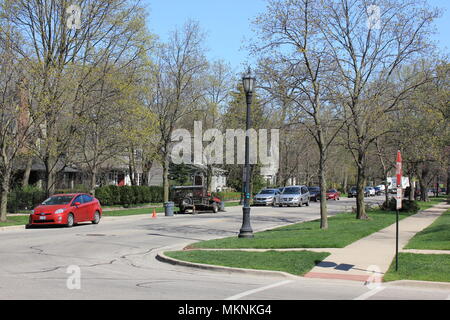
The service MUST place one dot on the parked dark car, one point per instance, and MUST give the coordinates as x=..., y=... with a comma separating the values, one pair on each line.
x=378, y=191
x=353, y=192
x=314, y=193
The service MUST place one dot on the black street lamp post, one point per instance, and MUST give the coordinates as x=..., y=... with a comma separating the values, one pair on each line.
x=246, y=229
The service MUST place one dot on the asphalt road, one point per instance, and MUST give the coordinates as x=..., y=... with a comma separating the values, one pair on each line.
x=116, y=260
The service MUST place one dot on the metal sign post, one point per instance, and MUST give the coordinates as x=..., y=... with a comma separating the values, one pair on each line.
x=399, y=199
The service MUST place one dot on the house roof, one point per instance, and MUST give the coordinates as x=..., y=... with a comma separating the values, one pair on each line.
x=40, y=166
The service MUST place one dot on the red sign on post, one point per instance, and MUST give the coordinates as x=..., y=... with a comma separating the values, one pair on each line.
x=399, y=173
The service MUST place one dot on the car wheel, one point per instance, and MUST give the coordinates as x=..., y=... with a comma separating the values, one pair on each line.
x=96, y=217
x=307, y=203
x=300, y=203
x=280, y=205
x=70, y=220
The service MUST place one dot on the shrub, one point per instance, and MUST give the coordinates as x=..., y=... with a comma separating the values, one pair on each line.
x=157, y=194
x=115, y=194
x=407, y=205
x=103, y=195
x=128, y=195
x=25, y=198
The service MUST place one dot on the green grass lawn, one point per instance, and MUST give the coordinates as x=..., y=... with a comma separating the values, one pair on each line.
x=343, y=230
x=136, y=206
x=131, y=212
x=431, y=203
x=15, y=221
x=294, y=262
x=425, y=267
x=435, y=237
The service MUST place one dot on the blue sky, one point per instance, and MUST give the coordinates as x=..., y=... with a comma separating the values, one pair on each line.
x=227, y=24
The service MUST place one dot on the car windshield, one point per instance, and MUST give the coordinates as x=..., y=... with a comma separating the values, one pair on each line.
x=331, y=190
x=267, y=192
x=55, y=200
x=314, y=189
x=291, y=190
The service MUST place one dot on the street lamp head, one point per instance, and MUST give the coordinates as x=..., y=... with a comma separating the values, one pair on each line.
x=248, y=82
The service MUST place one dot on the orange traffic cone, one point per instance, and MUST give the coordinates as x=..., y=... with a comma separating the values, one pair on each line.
x=154, y=214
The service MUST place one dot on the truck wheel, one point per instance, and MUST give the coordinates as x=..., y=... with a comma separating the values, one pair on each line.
x=215, y=208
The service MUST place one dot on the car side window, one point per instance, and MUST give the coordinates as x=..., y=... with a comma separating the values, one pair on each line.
x=78, y=199
x=87, y=198
x=304, y=190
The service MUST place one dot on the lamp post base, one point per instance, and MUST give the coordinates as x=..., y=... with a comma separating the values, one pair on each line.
x=246, y=230
x=246, y=234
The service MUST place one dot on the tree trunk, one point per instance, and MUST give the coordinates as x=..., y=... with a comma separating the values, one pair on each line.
x=423, y=190
x=93, y=181
x=412, y=189
x=423, y=184
x=4, y=195
x=50, y=174
x=360, y=184
x=3, y=206
x=344, y=184
x=448, y=181
x=26, y=174
x=166, y=178
x=209, y=174
x=323, y=195
x=386, y=194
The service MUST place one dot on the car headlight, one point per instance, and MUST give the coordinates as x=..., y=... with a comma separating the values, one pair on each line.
x=59, y=211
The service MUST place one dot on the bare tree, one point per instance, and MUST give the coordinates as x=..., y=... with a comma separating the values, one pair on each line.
x=369, y=42
x=15, y=122
x=290, y=31
x=64, y=51
x=176, y=91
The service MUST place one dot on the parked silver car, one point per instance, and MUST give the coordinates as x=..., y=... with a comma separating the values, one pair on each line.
x=294, y=196
x=265, y=197
x=276, y=199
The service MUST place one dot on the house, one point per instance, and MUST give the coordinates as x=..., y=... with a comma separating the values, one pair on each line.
x=117, y=173
x=120, y=175
x=67, y=177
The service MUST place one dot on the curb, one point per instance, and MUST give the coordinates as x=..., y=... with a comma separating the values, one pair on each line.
x=418, y=284
x=9, y=228
x=163, y=258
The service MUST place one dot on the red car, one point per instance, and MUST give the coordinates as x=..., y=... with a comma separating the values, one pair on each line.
x=67, y=210
x=333, y=194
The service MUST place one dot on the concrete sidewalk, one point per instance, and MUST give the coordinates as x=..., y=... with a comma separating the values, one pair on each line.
x=372, y=256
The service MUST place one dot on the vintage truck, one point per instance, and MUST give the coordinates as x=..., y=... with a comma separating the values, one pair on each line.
x=195, y=198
